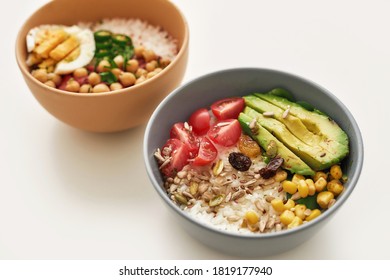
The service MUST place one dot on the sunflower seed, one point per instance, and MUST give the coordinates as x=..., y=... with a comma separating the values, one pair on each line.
x=296, y=196
x=238, y=195
x=233, y=218
x=268, y=114
x=168, y=160
x=228, y=197
x=285, y=113
x=203, y=187
x=158, y=155
x=181, y=174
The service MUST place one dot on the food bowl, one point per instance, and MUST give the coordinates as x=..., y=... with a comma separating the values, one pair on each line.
x=205, y=90
x=121, y=109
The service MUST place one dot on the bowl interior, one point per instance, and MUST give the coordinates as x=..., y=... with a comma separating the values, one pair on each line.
x=203, y=91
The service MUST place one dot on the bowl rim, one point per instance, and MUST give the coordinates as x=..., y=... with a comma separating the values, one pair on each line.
x=351, y=180
x=129, y=90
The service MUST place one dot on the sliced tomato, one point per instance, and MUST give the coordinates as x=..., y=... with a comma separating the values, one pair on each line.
x=207, y=152
x=200, y=121
x=179, y=155
x=228, y=108
x=178, y=131
x=225, y=133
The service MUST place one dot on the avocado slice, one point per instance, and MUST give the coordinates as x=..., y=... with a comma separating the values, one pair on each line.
x=291, y=161
x=316, y=122
x=296, y=126
x=312, y=155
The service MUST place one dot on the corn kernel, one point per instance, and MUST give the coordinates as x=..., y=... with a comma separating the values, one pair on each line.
x=300, y=211
x=297, y=177
x=335, y=187
x=287, y=217
x=320, y=174
x=312, y=188
x=280, y=176
x=289, y=204
x=320, y=184
x=335, y=172
x=295, y=222
x=314, y=214
x=251, y=217
x=323, y=199
x=277, y=204
x=290, y=187
x=303, y=189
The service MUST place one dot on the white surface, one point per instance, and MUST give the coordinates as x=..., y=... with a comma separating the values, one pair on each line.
x=67, y=194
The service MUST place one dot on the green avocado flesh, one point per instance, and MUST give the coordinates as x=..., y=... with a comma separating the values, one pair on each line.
x=312, y=155
x=291, y=162
x=312, y=137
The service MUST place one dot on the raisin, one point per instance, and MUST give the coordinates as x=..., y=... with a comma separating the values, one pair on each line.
x=240, y=161
x=271, y=168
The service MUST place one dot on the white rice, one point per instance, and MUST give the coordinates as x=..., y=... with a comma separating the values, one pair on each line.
x=142, y=34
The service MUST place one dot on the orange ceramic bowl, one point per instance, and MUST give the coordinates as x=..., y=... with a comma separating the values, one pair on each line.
x=122, y=109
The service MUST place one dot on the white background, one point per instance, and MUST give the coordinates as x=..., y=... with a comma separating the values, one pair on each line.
x=68, y=194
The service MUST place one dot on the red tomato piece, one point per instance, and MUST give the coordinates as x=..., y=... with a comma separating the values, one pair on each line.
x=179, y=154
x=207, y=152
x=200, y=121
x=186, y=136
x=225, y=133
x=64, y=81
x=228, y=108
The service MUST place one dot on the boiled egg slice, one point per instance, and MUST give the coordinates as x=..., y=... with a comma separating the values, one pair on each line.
x=85, y=51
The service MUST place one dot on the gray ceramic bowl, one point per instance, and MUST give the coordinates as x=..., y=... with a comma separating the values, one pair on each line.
x=202, y=92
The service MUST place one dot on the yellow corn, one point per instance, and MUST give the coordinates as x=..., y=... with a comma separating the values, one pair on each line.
x=299, y=211
x=295, y=222
x=323, y=199
x=290, y=187
x=312, y=188
x=251, y=217
x=335, y=172
x=303, y=189
x=320, y=184
x=277, y=204
x=280, y=176
x=314, y=214
x=287, y=217
x=296, y=178
x=318, y=175
x=289, y=204
x=335, y=187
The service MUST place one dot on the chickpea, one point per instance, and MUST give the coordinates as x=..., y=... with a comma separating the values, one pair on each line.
x=138, y=51
x=50, y=83
x=141, y=72
x=40, y=75
x=151, y=75
x=116, y=86
x=149, y=55
x=55, y=78
x=140, y=80
x=132, y=65
x=94, y=78
x=86, y=88
x=150, y=66
x=101, y=88
x=72, y=86
x=127, y=79
x=116, y=72
x=119, y=61
x=158, y=70
x=103, y=66
x=80, y=72
x=164, y=62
